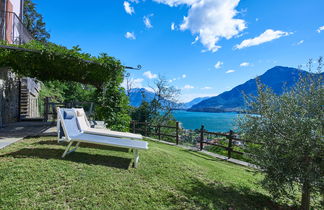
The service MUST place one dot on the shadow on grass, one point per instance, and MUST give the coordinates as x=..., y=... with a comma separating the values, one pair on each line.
x=79, y=157
x=218, y=196
x=88, y=145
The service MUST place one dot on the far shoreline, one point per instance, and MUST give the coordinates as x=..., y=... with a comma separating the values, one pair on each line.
x=206, y=111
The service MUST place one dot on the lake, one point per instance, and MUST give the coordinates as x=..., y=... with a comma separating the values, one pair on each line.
x=221, y=122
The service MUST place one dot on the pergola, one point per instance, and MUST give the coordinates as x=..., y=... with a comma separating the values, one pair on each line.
x=53, y=62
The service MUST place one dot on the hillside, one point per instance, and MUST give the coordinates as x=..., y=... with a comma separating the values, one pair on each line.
x=101, y=177
x=276, y=78
x=192, y=102
x=137, y=95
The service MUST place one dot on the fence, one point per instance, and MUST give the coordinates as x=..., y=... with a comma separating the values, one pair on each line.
x=199, y=138
x=50, y=108
x=12, y=29
x=159, y=131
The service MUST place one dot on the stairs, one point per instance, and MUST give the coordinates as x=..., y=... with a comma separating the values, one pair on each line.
x=24, y=102
x=26, y=105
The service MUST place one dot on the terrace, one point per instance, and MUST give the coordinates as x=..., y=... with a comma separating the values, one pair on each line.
x=12, y=29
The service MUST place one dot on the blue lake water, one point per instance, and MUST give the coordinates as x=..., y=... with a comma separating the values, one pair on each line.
x=221, y=122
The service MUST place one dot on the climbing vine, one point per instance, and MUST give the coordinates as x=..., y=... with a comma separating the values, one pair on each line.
x=52, y=62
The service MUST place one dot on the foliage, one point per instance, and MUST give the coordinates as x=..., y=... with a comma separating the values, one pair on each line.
x=60, y=92
x=289, y=128
x=158, y=110
x=33, y=173
x=67, y=91
x=49, y=61
x=142, y=113
x=34, y=23
x=113, y=107
x=68, y=72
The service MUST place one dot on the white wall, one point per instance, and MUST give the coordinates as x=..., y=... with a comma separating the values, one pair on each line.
x=16, y=6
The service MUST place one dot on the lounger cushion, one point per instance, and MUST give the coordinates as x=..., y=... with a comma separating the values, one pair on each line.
x=80, y=113
x=85, y=128
x=68, y=114
x=117, y=142
x=105, y=132
x=70, y=122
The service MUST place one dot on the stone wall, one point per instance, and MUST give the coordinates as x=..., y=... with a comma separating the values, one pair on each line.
x=9, y=97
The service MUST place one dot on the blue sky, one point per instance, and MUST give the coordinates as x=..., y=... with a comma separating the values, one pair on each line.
x=204, y=47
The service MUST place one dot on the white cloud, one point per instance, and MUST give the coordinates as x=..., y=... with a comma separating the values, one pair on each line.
x=196, y=40
x=147, y=21
x=129, y=10
x=230, y=71
x=173, y=27
x=184, y=76
x=266, y=36
x=136, y=83
x=218, y=65
x=173, y=3
x=207, y=88
x=130, y=35
x=300, y=42
x=320, y=29
x=150, y=75
x=245, y=64
x=210, y=20
x=188, y=87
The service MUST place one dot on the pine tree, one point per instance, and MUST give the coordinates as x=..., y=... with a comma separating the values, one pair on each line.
x=34, y=22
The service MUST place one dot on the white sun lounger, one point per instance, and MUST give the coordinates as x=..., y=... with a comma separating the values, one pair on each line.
x=68, y=123
x=84, y=126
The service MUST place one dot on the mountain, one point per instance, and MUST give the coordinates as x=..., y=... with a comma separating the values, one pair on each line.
x=195, y=101
x=277, y=79
x=136, y=96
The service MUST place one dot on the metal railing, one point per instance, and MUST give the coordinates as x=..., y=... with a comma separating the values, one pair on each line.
x=12, y=30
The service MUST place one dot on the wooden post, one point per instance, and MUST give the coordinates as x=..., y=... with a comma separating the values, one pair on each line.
x=202, y=137
x=134, y=126
x=46, y=108
x=177, y=133
x=159, y=131
x=230, y=142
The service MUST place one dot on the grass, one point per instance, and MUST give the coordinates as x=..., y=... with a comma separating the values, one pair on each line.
x=33, y=175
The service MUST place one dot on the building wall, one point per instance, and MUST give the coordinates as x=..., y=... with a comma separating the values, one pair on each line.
x=9, y=97
x=9, y=82
x=17, y=6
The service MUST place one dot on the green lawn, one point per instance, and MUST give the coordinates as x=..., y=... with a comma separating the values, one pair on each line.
x=33, y=175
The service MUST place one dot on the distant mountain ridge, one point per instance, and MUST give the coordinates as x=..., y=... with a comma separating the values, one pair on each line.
x=277, y=78
x=195, y=101
x=137, y=95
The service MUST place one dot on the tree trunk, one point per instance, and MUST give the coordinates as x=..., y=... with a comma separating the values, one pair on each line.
x=305, y=202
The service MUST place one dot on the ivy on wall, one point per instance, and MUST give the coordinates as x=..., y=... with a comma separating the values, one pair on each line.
x=51, y=62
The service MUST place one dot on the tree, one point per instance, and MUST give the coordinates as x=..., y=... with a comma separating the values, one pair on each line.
x=129, y=84
x=166, y=99
x=113, y=107
x=34, y=23
x=287, y=134
x=159, y=109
